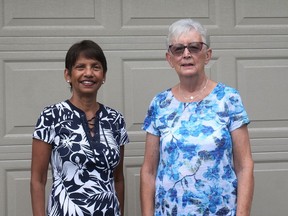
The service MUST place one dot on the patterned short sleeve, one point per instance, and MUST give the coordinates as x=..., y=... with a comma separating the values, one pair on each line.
x=124, y=139
x=44, y=129
x=237, y=113
x=149, y=124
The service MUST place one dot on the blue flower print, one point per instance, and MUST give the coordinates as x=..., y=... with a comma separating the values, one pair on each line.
x=195, y=175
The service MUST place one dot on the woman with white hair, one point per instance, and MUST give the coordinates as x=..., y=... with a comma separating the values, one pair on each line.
x=198, y=158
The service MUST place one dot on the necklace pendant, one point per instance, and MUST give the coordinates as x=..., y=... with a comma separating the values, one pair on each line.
x=191, y=98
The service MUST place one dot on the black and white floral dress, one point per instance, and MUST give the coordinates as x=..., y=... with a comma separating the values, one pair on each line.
x=82, y=165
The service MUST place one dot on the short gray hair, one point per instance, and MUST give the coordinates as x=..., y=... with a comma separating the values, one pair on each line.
x=179, y=27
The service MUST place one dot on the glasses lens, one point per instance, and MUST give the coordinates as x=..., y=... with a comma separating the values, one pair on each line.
x=178, y=49
x=194, y=47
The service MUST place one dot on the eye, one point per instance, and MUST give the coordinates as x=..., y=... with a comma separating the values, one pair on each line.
x=80, y=67
x=194, y=47
x=97, y=67
x=177, y=49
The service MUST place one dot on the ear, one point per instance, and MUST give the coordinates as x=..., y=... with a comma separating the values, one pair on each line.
x=208, y=56
x=66, y=75
x=169, y=59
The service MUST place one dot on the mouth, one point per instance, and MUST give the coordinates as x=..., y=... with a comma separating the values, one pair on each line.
x=87, y=82
x=187, y=65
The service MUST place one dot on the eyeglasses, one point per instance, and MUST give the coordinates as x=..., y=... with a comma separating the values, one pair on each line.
x=194, y=47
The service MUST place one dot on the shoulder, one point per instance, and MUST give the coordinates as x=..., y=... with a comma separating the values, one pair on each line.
x=229, y=98
x=57, y=109
x=224, y=91
x=58, y=106
x=226, y=88
x=162, y=96
x=111, y=117
x=109, y=111
x=51, y=114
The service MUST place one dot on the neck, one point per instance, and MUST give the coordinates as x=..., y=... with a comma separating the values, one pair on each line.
x=195, y=93
x=88, y=105
x=193, y=83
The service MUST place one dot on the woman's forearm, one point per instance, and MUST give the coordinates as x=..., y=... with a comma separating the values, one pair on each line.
x=38, y=199
x=245, y=192
x=147, y=194
x=119, y=187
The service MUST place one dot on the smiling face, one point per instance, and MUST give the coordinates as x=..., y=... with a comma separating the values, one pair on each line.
x=85, y=77
x=189, y=64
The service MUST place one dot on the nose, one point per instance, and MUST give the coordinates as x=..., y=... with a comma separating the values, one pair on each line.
x=88, y=71
x=186, y=53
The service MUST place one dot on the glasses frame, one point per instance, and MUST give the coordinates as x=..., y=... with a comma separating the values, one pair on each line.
x=183, y=47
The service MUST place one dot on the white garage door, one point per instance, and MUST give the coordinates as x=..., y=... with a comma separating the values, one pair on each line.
x=249, y=39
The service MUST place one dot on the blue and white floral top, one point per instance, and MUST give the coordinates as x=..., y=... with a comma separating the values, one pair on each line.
x=195, y=173
x=82, y=165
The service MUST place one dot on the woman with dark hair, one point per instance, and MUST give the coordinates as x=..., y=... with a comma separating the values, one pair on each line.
x=84, y=142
